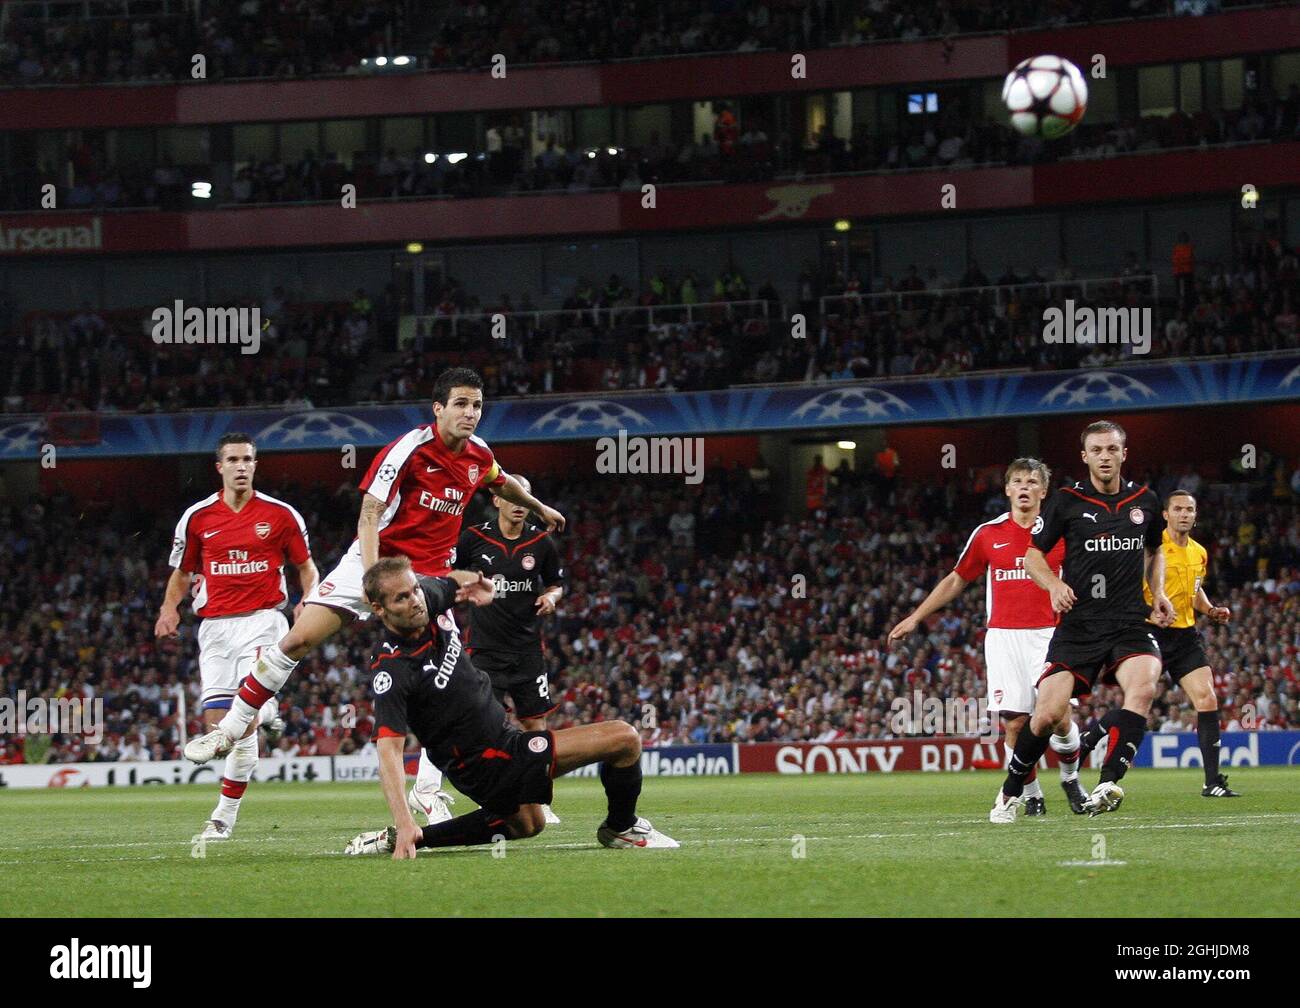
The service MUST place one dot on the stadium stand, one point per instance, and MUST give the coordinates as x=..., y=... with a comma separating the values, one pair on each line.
x=116, y=41
x=673, y=600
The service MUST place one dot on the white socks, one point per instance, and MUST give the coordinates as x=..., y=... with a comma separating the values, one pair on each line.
x=271, y=672
x=429, y=777
x=1067, y=743
x=240, y=764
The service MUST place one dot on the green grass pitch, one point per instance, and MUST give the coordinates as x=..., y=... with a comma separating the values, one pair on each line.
x=876, y=845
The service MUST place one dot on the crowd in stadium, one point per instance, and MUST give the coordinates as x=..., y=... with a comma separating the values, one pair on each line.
x=298, y=38
x=732, y=152
x=320, y=354
x=308, y=355
x=680, y=598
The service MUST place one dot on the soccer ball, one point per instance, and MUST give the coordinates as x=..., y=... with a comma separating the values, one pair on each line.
x=1046, y=96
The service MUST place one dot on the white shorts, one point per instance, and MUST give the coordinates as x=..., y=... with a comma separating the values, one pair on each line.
x=341, y=587
x=227, y=647
x=1013, y=661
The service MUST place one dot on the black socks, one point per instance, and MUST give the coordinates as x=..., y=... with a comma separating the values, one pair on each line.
x=477, y=827
x=1126, y=735
x=1024, y=758
x=1207, y=735
x=622, y=789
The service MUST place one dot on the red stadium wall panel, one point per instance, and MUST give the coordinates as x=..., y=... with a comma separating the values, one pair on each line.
x=640, y=82
x=685, y=208
x=884, y=756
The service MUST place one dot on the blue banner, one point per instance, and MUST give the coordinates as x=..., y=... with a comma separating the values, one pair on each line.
x=836, y=407
x=1246, y=748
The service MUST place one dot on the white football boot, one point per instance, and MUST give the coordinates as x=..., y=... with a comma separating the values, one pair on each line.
x=1004, y=809
x=435, y=806
x=639, y=834
x=215, y=829
x=204, y=748
x=1105, y=797
x=379, y=842
x=550, y=817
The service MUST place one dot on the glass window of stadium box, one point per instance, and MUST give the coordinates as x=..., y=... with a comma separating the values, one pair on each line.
x=130, y=147
x=644, y=121
x=1232, y=82
x=253, y=142
x=404, y=134
x=1156, y=90
x=593, y=127
x=1189, y=88
x=455, y=132
x=296, y=138
x=347, y=138
x=547, y=124
x=1286, y=71
x=185, y=145
x=1103, y=100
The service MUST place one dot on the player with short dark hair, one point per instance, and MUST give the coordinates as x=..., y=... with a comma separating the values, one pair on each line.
x=505, y=638
x=414, y=495
x=1112, y=531
x=229, y=551
x=425, y=684
x=1185, y=662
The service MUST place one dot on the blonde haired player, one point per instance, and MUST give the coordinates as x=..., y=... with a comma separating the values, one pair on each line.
x=1019, y=621
x=232, y=547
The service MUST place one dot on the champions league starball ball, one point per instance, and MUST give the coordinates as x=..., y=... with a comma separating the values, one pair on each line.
x=1046, y=96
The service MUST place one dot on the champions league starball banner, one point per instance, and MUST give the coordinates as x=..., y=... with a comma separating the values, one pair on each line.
x=591, y=416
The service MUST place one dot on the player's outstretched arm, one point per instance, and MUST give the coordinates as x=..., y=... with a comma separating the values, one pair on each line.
x=392, y=778
x=547, y=600
x=1162, y=610
x=942, y=593
x=1041, y=573
x=511, y=490
x=169, y=613
x=471, y=586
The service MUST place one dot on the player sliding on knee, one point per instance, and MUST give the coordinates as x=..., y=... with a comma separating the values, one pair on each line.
x=425, y=684
x=1019, y=620
x=1112, y=532
x=414, y=495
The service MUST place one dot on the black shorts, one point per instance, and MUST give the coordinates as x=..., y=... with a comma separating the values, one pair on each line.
x=1092, y=651
x=515, y=770
x=1183, y=650
x=522, y=675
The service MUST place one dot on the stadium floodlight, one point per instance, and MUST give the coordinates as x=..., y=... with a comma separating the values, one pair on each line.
x=401, y=60
x=381, y=61
x=456, y=157
x=201, y=190
x=430, y=157
x=846, y=445
x=415, y=248
x=591, y=153
x=612, y=151
x=843, y=225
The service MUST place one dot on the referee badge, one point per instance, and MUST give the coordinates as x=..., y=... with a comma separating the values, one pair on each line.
x=1136, y=516
x=538, y=743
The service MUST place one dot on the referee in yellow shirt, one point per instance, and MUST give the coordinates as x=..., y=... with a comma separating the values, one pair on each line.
x=1180, y=643
x=1181, y=649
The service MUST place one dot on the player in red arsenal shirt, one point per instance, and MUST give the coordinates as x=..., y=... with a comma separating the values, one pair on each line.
x=415, y=493
x=230, y=550
x=1019, y=618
